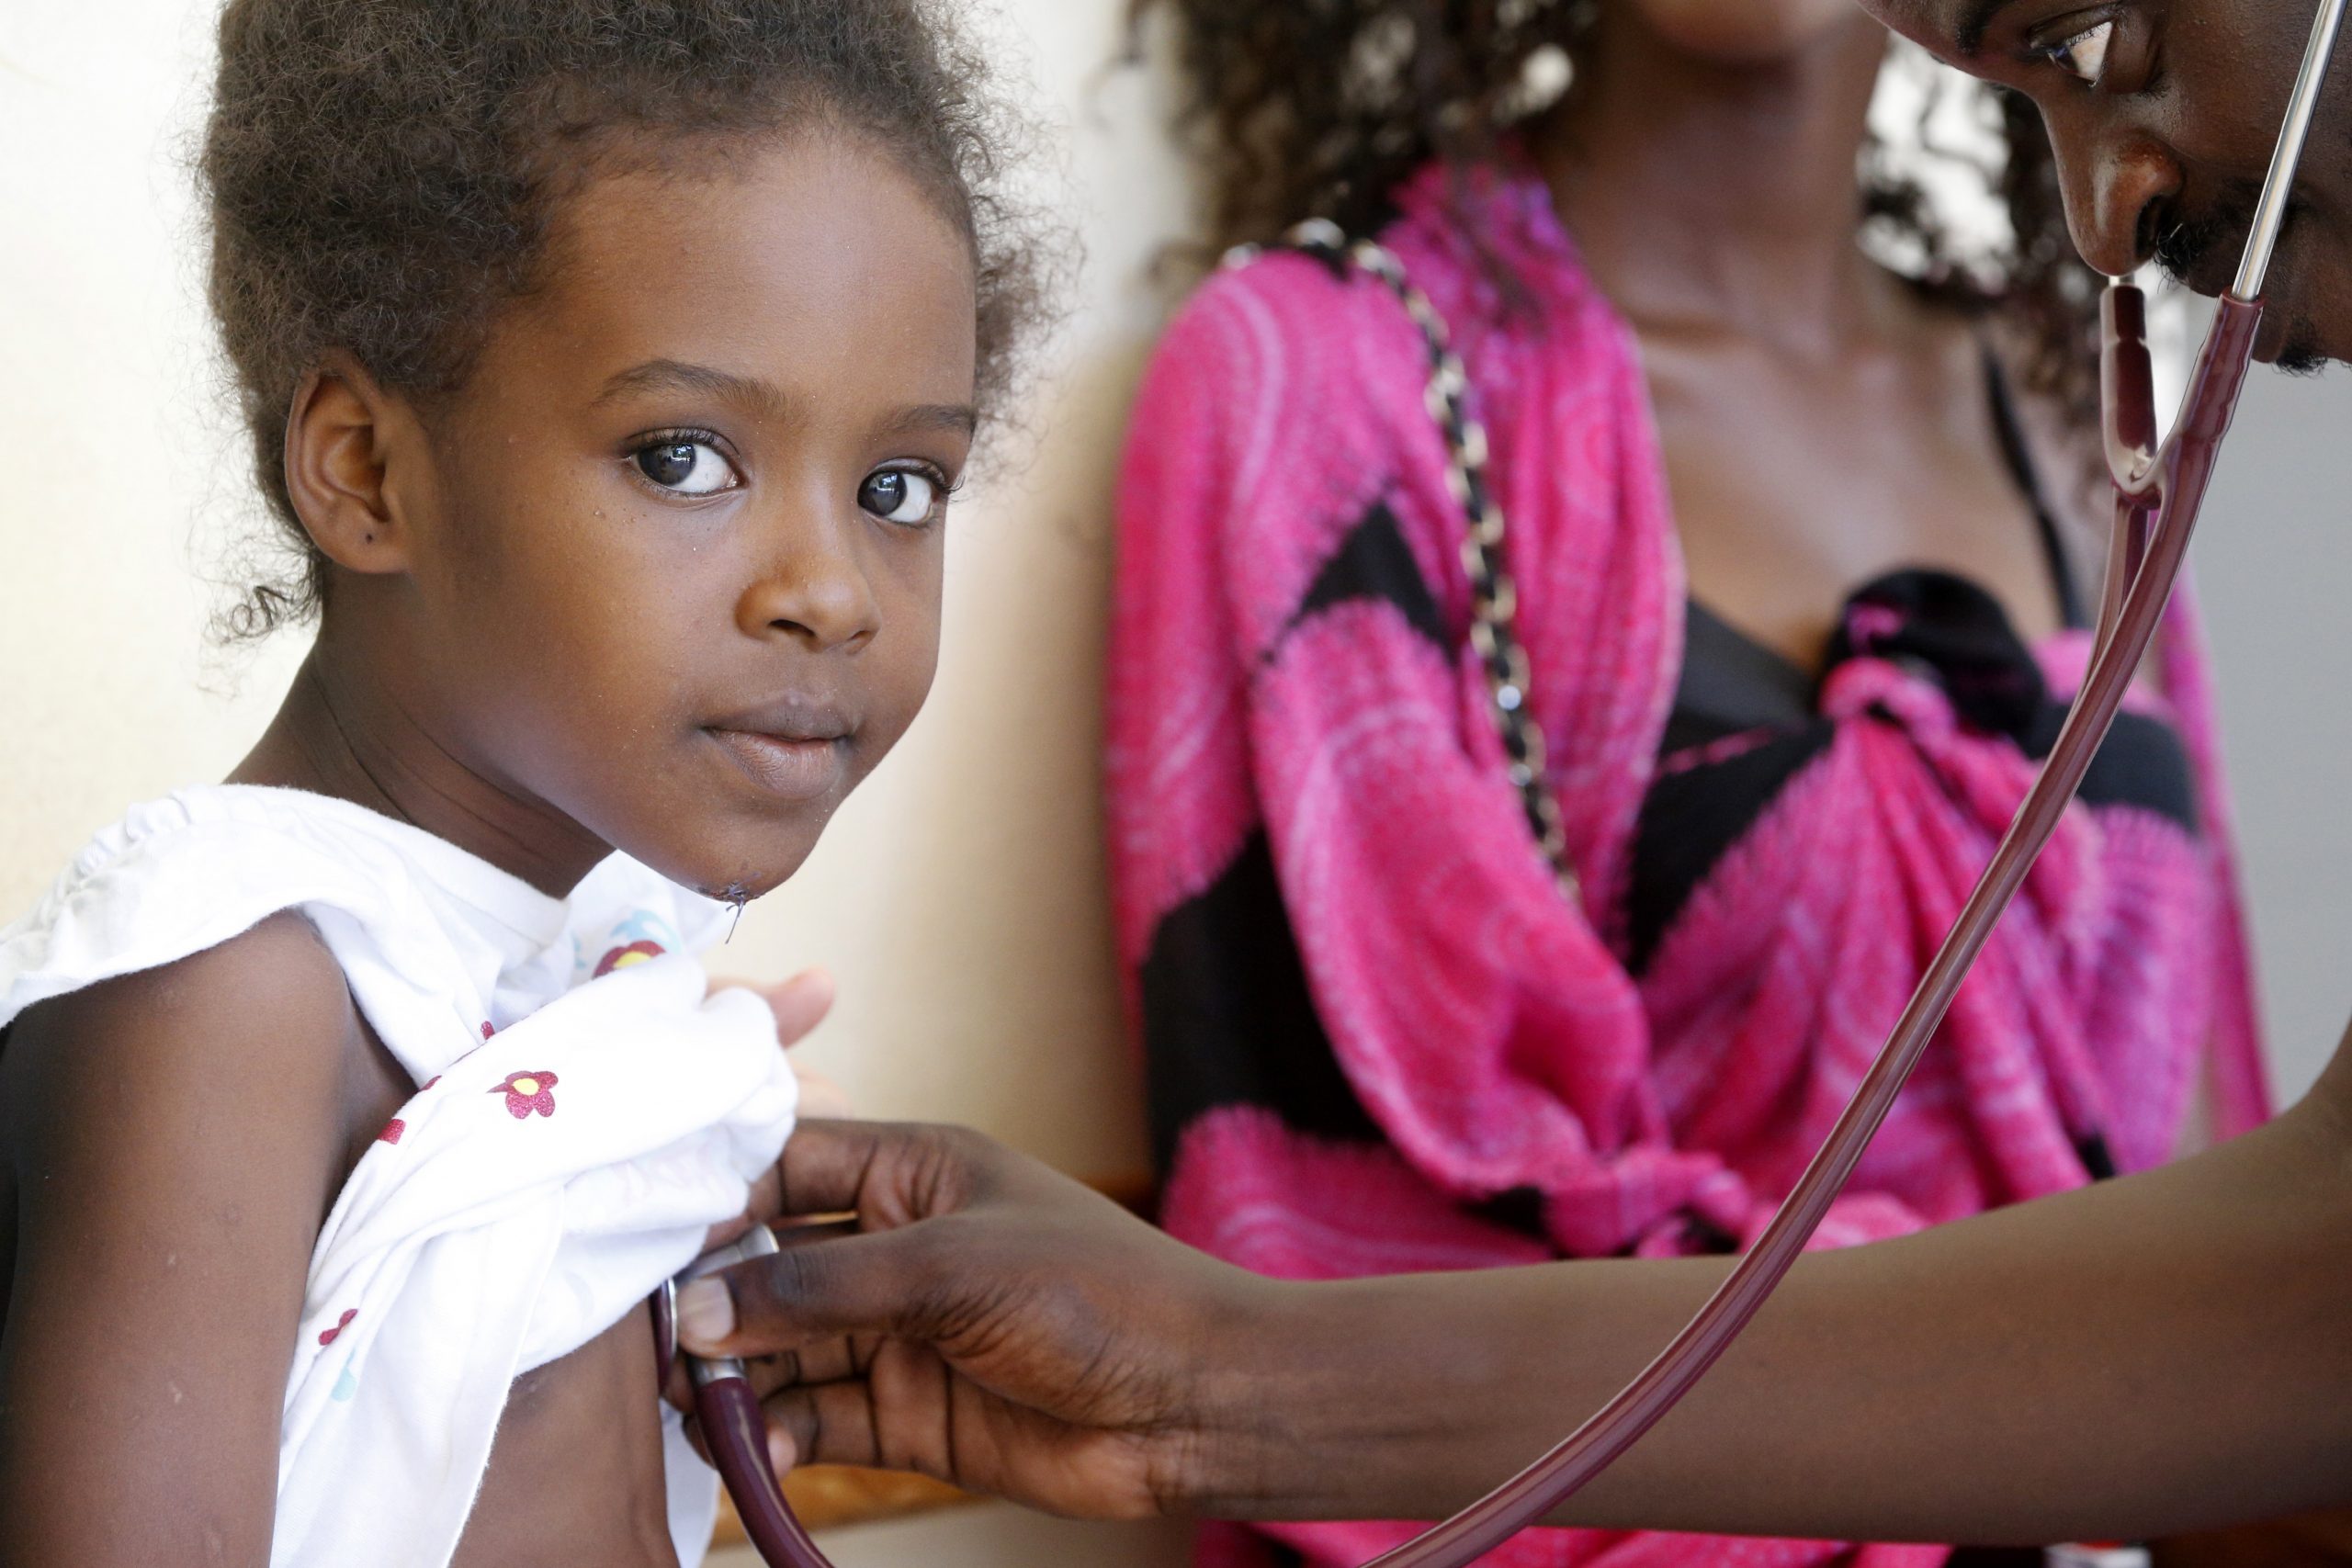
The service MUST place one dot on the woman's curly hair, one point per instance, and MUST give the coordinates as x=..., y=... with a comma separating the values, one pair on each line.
x=1318, y=108
x=382, y=175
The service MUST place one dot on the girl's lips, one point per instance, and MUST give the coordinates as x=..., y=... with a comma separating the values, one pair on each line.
x=789, y=767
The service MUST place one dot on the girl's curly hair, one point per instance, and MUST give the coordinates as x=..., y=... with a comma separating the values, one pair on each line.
x=382, y=175
x=1307, y=108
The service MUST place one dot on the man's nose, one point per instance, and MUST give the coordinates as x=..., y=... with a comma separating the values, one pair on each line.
x=2114, y=191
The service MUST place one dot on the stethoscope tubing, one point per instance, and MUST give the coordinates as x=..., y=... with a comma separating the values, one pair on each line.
x=735, y=1429
x=734, y=1426
x=2159, y=489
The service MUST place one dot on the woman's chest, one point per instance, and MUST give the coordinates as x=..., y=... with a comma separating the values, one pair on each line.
x=1787, y=491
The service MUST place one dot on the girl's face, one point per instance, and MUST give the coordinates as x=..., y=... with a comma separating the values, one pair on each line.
x=674, y=570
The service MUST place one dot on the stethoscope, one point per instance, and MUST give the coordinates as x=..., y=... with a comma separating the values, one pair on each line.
x=2158, y=489
x=734, y=1427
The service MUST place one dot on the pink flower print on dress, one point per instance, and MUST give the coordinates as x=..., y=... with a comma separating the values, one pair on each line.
x=622, y=957
x=527, y=1092
x=392, y=1130
x=486, y=1030
x=327, y=1335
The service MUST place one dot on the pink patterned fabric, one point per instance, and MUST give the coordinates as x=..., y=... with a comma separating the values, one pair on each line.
x=1492, y=1032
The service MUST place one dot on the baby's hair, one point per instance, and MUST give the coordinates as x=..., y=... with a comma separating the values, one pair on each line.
x=382, y=175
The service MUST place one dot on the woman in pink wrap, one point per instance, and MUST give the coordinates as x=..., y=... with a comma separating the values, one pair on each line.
x=1801, y=607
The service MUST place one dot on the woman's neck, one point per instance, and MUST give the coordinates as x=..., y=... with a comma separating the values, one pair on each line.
x=342, y=735
x=1713, y=198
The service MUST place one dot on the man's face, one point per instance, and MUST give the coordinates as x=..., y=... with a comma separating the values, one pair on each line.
x=2163, y=113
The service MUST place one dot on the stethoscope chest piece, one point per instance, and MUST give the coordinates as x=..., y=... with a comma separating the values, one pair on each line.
x=734, y=1429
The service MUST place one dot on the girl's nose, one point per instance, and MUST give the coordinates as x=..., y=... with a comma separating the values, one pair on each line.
x=2113, y=196
x=814, y=589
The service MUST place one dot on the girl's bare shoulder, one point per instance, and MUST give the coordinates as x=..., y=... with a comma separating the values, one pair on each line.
x=260, y=1028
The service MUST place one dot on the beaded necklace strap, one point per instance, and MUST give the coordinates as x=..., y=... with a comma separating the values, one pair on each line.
x=1494, y=600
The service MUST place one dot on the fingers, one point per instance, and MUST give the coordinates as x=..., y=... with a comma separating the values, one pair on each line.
x=820, y=1361
x=795, y=1432
x=825, y=1164
x=895, y=1413
x=799, y=1003
x=821, y=1098
x=888, y=1173
x=825, y=1417
x=886, y=1282
x=885, y=1172
x=822, y=1424
x=762, y=1203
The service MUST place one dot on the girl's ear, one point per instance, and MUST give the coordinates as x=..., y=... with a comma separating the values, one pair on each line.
x=356, y=461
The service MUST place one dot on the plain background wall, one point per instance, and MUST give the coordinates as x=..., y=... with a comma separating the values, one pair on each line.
x=958, y=898
x=2274, y=563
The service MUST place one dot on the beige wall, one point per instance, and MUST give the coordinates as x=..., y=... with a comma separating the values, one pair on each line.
x=958, y=898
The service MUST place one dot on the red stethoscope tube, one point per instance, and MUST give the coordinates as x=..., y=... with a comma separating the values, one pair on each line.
x=2158, y=489
x=734, y=1427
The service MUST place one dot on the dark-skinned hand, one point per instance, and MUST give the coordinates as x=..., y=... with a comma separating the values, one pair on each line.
x=799, y=1005
x=1060, y=1361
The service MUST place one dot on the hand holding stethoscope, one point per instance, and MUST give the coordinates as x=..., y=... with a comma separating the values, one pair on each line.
x=2158, y=489
x=734, y=1426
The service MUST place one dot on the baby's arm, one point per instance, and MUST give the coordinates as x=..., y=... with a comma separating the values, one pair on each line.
x=176, y=1138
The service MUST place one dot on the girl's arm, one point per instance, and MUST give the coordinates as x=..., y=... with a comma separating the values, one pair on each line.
x=175, y=1138
x=2151, y=1354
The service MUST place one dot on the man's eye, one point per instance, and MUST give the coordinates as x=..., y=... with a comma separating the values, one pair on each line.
x=2084, y=56
x=898, y=495
x=690, y=468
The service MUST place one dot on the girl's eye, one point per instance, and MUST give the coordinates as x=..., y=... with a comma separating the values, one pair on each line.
x=690, y=468
x=2084, y=56
x=900, y=495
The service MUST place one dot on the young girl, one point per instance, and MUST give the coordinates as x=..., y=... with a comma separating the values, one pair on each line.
x=609, y=366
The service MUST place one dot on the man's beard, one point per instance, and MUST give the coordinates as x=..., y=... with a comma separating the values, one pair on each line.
x=2190, y=252
x=2300, y=354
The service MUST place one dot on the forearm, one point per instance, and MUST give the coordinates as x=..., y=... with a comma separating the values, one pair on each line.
x=2152, y=1353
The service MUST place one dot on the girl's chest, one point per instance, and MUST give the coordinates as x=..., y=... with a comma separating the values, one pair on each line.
x=575, y=1476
